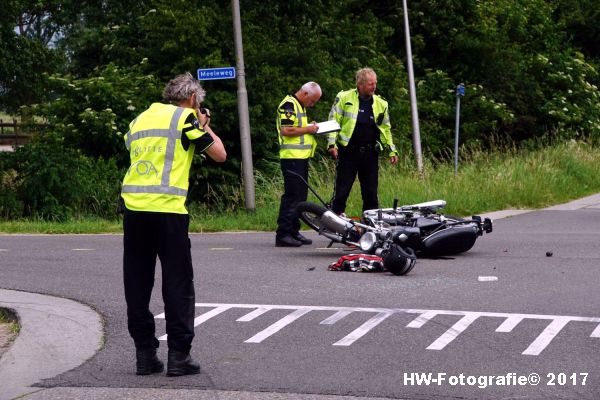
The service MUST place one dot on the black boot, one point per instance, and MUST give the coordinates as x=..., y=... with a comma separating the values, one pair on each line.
x=181, y=363
x=147, y=363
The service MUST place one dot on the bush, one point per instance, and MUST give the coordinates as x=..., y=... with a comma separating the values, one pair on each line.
x=48, y=180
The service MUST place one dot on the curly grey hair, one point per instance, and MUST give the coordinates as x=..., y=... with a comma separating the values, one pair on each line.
x=363, y=74
x=182, y=87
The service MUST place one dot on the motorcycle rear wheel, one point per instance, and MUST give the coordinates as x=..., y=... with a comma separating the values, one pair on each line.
x=310, y=214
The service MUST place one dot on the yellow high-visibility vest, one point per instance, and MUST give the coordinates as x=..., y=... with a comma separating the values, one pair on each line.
x=158, y=177
x=302, y=146
x=345, y=112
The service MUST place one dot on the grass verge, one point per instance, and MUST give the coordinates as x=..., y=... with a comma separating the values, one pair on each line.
x=9, y=318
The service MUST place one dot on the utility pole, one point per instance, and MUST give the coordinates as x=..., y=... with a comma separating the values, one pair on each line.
x=460, y=92
x=242, y=94
x=413, y=95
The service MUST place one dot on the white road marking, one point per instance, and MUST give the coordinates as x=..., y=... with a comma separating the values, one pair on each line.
x=3, y=249
x=221, y=248
x=253, y=314
x=335, y=317
x=487, y=278
x=363, y=329
x=83, y=249
x=453, y=332
x=277, y=326
x=555, y=325
x=544, y=339
x=509, y=324
x=422, y=319
x=201, y=318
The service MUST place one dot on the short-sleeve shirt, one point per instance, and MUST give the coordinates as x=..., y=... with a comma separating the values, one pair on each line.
x=287, y=114
x=193, y=132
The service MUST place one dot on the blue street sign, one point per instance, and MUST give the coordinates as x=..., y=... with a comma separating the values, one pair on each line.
x=460, y=90
x=209, y=74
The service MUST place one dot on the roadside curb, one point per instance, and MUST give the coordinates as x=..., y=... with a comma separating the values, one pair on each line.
x=56, y=335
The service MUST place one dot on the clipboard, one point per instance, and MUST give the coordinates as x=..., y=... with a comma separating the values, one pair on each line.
x=327, y=127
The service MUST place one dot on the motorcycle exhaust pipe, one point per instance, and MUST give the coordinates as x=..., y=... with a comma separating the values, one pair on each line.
x=333, y=222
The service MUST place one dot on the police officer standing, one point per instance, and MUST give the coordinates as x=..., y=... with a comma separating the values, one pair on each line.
x=296, y=146
x=365, y=131
x=161, y=142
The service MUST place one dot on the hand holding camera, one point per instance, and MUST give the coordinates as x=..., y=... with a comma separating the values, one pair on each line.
x=204, y=116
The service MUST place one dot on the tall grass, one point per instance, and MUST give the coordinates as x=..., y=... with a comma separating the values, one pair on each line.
x=486, y=181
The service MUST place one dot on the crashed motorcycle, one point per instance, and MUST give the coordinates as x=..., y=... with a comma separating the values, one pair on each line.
x=397, y=234
x=419, y=226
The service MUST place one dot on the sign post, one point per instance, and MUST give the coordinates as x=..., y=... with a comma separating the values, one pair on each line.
x=208, y=74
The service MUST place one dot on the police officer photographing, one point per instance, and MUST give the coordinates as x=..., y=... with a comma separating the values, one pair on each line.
x=296, y=146
x=161, y=142
x=365, y=132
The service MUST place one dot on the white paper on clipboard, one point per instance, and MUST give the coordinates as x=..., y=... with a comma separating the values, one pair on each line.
x=328, y=126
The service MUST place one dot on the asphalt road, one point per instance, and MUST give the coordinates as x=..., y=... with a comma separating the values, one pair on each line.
x=276, y=320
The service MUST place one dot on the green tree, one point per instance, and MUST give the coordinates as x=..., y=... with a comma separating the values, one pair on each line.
x=26, y=31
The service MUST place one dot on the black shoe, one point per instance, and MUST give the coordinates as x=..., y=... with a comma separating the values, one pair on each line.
x=147, y=363
x=180, y=363
x=302, y=239
x=287, y=241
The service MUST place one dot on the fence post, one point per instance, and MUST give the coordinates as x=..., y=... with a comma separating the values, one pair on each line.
x=16, y=133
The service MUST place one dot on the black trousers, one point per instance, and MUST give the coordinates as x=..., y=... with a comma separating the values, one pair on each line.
x=294, y=191
x=146, y=236
x=352, y=161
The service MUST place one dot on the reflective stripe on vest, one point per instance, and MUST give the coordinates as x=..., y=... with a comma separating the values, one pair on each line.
x=347, y=118
x=172, y=134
